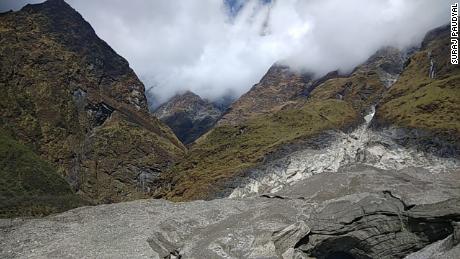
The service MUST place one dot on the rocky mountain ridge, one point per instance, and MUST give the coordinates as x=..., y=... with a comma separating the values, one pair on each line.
x=77, y=104
x=252, y=135
x=279, y=85
x=285, y=109
x=188, y=115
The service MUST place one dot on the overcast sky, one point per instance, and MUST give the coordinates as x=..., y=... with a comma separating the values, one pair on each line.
x=221, y=47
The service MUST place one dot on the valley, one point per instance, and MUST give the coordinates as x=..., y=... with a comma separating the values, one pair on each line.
x=362, y=164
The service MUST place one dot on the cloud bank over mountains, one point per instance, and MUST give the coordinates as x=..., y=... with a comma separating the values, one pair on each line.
x=216, y=48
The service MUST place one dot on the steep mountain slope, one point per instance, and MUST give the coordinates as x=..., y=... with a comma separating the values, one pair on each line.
x=388, y=145
x=425, y=101
x=30, y=186
x=188, y=116
x=282, y=86
x=293, y=111
x=277, y=87
x=367, y=83
x=71, y=99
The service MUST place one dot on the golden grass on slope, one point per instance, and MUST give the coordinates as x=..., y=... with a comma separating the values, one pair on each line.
x=229, y=149
x=418, y=101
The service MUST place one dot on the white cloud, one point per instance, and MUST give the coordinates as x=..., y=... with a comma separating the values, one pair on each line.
x=178, y=45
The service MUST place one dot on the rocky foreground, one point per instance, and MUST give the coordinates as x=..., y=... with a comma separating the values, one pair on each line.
x=361, y=211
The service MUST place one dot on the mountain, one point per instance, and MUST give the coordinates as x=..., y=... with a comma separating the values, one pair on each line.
x=72, y=100
x=282, y=86
x=288, y=112
x=425, y=102
x=283, y=111
x=188, y=115
x=29, y=185
x=357, y=165
x=276, y=88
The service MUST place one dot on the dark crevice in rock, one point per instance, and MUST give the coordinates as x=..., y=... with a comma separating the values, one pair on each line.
x=269, y=196
x=280, y=197
x=174, y=255
x=406, y=207
x=377, y=225
x=99, y=112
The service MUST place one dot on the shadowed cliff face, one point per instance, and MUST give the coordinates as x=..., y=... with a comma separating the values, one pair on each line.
x=69, y=97
x=188, y=116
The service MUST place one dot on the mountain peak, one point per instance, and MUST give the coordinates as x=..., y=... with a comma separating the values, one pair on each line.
x=187, y=96
x=188, y=115
x=65, y=26
x=435, y=34
x=54, y=5
x=276, y=88
x=62, y=75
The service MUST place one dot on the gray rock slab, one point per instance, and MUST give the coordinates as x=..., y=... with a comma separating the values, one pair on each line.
x=361, y=210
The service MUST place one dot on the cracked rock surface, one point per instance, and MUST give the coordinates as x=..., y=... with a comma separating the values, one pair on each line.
x=362, y=212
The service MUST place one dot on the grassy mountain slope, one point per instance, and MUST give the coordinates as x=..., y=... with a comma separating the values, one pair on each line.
x=62, y=89
x=30, y=186
x=277, y=87
x=250, y=132
x=423, y=102
x=227, y=150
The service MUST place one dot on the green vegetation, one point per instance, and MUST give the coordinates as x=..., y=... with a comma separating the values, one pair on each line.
x=361, y=90
x=55, y=75
x=119, y=151
x=432, y=105
x=229, y=149
x=418, y=101
x=29, y=186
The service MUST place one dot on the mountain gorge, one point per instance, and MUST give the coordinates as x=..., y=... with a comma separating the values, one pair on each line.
x=363, y=164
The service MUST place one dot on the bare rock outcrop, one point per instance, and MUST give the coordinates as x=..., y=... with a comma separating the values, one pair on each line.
x=188, y=115
x=350, y=216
